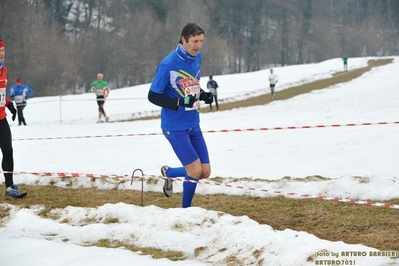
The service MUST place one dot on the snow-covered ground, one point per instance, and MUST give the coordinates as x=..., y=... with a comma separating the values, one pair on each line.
x=359, y=162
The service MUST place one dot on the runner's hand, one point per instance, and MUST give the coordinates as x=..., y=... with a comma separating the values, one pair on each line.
x=187, y=101
x=207, y=97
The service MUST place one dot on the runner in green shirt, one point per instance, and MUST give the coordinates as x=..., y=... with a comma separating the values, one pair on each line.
x=101, y=88
x=345, y=59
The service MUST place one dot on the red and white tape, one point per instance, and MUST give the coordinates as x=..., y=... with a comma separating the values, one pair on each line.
x=80, y=100
x=69, y=174
x=107, y=99
x=220, y=130
x=278, y=192
x=308, y=196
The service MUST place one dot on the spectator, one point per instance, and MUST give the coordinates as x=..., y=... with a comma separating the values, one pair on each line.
x=176, y=88
x=21, y=93
x=212, y=86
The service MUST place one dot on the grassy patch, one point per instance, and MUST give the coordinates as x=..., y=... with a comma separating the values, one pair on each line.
x=335, y=221
x=154, y=252
x=305, y=88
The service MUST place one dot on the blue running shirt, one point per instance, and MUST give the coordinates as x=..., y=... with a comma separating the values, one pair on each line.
x=177, y=77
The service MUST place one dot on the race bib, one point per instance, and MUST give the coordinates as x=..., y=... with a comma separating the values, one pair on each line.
x=195, y=91
x=213, y=90
x=2, y=97
x=18, y=98
x=99, y=92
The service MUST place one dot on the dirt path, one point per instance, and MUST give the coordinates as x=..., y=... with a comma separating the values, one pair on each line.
x=339, y=77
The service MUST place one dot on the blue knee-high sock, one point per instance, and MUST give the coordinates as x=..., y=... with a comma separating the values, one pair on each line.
x=188, y=191
x=176, y=172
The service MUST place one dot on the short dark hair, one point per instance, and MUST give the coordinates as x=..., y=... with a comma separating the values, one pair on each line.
x=191, y=29
x=210, y=76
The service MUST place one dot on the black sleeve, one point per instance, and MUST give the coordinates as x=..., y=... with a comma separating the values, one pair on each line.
x=11, y=107
x=163, y=100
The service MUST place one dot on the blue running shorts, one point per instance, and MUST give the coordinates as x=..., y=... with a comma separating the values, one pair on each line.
x=189, y=145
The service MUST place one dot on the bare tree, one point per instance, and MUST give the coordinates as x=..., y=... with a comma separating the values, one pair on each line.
x=61, y=45
x=39, y=54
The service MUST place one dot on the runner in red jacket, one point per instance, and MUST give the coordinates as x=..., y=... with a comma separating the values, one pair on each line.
x=7, y=162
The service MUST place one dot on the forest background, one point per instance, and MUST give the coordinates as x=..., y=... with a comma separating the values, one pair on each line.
x=58, y=46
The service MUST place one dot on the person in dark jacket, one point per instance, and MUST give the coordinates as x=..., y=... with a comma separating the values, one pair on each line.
x=213, y=86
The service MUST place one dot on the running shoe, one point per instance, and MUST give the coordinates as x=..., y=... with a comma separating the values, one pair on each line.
x=168, y=184
x=13, y=192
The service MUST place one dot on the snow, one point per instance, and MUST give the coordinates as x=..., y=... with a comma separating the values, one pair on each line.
x=352, y=162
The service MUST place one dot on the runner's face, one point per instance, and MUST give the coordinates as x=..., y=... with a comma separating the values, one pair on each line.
x=2, y=54
x=194, y=44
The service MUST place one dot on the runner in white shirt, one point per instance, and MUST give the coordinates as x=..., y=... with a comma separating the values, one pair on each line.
x=273, y=78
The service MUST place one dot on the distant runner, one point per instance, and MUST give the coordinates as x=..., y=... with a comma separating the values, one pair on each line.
x=345, y=60
x=20, y=93
x=273, y=79
x=101, y=88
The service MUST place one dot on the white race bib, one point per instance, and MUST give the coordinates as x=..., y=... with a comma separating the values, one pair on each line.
x=2, y=97
x=194, y=91
x=18, y=98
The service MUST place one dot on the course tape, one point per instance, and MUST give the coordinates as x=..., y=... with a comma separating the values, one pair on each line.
x=69, y=174
x=83, y=100
x=278, y=192
x=219, y=130
x=107, y=99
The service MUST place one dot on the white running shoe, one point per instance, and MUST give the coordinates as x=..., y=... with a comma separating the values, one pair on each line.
x=13, y=192
x=106, y=119
x=168, y=184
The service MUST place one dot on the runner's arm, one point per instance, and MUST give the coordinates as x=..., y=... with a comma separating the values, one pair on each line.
x=163, y=100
